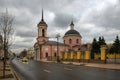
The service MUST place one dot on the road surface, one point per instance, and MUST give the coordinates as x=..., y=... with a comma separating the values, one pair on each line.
x=36, y=70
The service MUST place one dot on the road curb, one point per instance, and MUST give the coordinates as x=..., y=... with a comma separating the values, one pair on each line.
x=103, y=67
x=93, y=65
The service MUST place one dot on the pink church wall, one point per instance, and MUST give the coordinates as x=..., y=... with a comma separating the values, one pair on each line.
x=42, y=39
x=74, y=38
x=51, y=50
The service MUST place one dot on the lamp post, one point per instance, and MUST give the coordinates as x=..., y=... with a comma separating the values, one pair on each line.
x=57, y=55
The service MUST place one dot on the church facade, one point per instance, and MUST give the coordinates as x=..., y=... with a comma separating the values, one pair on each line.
x=50, y=50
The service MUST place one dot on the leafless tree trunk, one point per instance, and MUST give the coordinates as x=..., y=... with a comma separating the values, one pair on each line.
x=6, y=31
x=1, y=46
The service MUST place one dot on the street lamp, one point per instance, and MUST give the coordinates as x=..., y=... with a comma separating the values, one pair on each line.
x=57, y=55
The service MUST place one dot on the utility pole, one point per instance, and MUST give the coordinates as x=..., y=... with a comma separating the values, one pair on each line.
x=57, y=56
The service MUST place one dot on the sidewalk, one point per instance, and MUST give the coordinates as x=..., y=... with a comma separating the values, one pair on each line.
x=106, y=66
x=9, y=75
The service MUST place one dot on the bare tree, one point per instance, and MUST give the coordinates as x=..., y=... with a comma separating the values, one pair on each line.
x=1, y=46
x=6, y=31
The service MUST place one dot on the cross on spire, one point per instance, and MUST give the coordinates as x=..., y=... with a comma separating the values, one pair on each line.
x=72, y=25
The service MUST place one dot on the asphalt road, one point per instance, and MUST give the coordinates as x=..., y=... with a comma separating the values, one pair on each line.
x=36, y=70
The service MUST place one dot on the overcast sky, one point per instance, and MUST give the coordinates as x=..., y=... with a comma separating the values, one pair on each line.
x=92, y=18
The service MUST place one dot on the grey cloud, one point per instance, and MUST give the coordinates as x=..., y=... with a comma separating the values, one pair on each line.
x=26, y=34
x=21, y=4
x=28, y=40
x=2, y=3
x=63, y=20
x=26, y=21
x=36, y=5
x=15, y=46
x=29, y=14
x=110, y=17
x=26, y=43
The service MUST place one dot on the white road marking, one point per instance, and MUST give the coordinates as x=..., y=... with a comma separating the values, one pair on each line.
x=68, y=69
x=47, y=71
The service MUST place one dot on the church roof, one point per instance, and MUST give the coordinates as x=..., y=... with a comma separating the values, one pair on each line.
x=53, y=43
x=42, y=22
x=50, y=43
x=72, y=32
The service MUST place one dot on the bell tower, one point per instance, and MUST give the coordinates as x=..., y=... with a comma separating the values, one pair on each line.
x=42, y=31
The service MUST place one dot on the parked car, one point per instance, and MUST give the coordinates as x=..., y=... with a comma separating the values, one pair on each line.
x=25, y=60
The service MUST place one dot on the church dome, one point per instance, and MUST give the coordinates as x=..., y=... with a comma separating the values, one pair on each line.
x=72, y=32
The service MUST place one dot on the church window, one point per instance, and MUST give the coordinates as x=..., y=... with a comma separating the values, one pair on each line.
x=70, y=41
x=77, y=40
x=43, y=33
x=55, y=54
x=46, y=54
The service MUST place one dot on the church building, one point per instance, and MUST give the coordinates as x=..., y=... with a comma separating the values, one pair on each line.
x=50, y=50
x=72, y=38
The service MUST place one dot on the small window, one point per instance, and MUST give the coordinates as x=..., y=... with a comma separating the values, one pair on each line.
x=43, y=33
x=55, y=54
x=70, y=41
x=77, y=40
x=46, y=54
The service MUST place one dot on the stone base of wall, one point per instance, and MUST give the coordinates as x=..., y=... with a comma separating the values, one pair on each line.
x=85, y=60
x=43, y=60
x=97, y=61
x=49, y=58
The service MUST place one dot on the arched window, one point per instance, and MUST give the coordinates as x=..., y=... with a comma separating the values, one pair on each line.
x=43, y=33
x=77, y=40
x=46, y=55
x=55, y=54
x=78, y=49
x=70, y=41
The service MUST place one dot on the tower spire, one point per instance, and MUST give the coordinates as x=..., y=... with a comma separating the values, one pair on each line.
x=42, y=19
x=42, y=16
